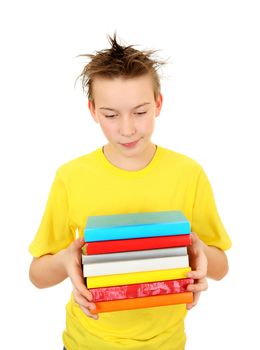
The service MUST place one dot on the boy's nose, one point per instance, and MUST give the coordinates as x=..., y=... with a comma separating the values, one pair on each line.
x=127, y=127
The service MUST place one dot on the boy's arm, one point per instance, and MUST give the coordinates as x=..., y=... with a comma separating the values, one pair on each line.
x=49, y=270
x=205, y=261
x=217, y=262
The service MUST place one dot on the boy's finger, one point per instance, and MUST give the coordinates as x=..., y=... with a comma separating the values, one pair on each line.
x=87, y=312
x=79, y=284
x=198, y=274
x=85, y=292
x=79, y=242
x=196, y=297
x=198, y=287
x=81, y=300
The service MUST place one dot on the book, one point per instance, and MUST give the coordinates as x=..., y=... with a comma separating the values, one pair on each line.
x=139, y=254
x=135, y=225
x=140, y=290
x=136, y=277
x=139, y=303
x=138, y=265
x=123, y=245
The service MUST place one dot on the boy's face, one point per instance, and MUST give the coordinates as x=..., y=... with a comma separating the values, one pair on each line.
x=126, y=111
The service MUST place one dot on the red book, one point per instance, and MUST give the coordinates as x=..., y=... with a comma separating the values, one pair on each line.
x=124, y=245
x=140, y=290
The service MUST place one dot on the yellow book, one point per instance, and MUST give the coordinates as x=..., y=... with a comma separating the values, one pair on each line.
x=136, y=277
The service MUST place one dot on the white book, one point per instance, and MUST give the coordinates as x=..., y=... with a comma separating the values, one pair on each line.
x=133, y=255
x=139, y=265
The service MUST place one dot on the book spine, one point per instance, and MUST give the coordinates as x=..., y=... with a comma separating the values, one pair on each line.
x=139, y=303
x=124, y=245
x=136, y=231
x=112, y=268
x=136, y=277
x=139, y=254
x=140, y=290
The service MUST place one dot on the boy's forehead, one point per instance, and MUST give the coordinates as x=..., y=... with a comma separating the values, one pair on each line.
x=135, y=90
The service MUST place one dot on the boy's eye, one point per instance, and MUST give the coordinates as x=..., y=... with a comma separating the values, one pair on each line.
x=140, y=113
x=110, y=115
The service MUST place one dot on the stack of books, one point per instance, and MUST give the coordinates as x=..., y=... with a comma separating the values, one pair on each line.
x=137, y=260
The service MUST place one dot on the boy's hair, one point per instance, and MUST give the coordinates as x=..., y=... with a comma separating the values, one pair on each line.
x=120, y=61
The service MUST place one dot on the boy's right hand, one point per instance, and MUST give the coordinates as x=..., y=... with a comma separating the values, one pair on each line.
x=73, y=266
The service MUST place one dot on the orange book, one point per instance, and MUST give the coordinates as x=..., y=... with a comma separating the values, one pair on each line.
x=139, y=303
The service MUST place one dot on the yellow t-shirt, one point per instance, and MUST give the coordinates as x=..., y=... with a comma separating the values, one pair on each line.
x=91, y=185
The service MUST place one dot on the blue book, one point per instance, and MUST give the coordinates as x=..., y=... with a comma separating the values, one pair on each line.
x=135, y=225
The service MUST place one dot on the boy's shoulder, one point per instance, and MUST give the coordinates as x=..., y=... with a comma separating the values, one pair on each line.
x=77, y=164
x=180, y=159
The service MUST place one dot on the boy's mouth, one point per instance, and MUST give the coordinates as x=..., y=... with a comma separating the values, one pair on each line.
x=129, y=144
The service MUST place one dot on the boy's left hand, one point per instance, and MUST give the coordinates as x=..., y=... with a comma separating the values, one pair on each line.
x=198, y=263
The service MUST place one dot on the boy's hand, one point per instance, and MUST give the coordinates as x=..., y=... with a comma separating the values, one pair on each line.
x=73, y=266
x=198, y=263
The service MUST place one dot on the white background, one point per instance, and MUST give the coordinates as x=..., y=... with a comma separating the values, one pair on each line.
x=211, y=108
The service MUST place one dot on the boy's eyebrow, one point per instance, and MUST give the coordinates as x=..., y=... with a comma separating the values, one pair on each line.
x=114, y=110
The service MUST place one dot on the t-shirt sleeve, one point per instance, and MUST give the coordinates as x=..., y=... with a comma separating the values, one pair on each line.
x=205, y=219
x=55, y=232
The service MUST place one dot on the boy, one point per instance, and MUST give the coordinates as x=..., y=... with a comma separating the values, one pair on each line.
x=129, y=174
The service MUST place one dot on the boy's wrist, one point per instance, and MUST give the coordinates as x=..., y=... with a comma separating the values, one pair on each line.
x=196, y=244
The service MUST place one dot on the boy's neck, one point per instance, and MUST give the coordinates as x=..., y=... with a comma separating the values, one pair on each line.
x=129, y=163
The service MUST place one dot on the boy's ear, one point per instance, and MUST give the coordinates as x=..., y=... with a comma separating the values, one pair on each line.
x=158, y=104
x=91, y=108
